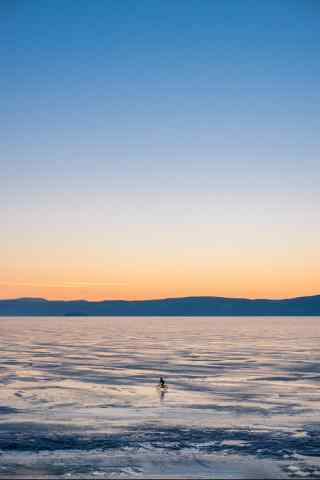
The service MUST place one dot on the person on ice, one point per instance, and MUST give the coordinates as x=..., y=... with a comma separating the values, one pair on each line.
x=162, y=383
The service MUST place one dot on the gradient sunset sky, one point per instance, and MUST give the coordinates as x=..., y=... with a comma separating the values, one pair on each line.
x=160, y=148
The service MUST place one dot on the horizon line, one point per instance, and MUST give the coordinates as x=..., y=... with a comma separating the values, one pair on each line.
x=159, y=299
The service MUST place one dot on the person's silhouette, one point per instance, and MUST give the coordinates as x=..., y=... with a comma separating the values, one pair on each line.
x=162, y=383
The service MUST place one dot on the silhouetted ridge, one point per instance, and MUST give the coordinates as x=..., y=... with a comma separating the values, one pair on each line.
x=184, y=306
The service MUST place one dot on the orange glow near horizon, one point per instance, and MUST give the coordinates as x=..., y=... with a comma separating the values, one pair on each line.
x=252, y=259
x=282, y=284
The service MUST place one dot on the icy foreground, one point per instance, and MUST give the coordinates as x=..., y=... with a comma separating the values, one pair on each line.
x=78, y=397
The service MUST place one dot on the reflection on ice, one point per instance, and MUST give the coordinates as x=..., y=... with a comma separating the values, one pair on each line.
x=89, y=385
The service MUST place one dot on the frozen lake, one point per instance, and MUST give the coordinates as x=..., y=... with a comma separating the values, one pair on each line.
x=78, y=397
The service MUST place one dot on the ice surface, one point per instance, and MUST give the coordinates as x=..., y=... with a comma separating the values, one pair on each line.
x=78, y=397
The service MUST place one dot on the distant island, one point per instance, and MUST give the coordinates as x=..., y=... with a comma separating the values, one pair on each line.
x=184, y=306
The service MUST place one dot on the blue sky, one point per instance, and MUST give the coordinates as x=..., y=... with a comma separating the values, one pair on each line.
x=126, y=121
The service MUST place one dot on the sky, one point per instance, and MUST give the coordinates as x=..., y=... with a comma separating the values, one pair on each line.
x=159, y=149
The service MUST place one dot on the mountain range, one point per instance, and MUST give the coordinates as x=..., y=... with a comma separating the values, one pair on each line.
x=184, y=306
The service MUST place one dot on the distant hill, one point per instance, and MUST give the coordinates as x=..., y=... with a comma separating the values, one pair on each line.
x=186, y=306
